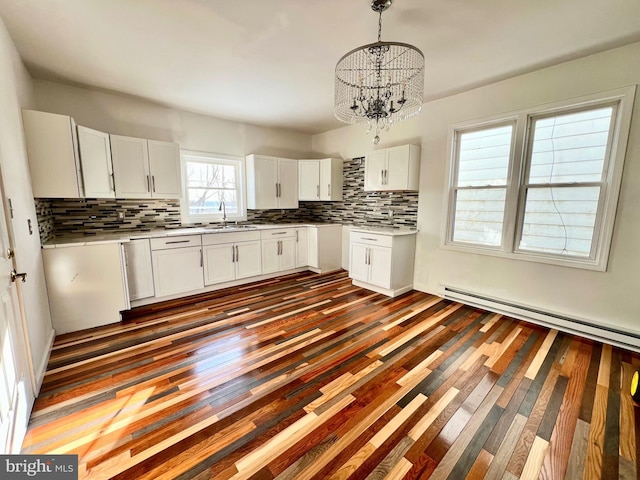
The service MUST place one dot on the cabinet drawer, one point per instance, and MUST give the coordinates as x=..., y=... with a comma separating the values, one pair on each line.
x=231, y=237
x=372, y=239
x=278, y=233
x=177, y=241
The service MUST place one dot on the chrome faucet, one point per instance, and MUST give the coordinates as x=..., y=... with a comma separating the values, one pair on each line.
x=223, y=207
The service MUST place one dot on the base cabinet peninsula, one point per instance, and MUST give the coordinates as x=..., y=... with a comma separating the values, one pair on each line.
x=382, y=259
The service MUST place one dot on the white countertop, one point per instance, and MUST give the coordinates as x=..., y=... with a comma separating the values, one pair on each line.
x=119, y=237
x=385, y=230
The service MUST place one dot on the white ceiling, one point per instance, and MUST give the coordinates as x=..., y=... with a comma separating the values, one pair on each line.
x=271, y=62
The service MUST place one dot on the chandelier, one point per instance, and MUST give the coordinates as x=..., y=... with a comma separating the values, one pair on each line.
x=379, y=83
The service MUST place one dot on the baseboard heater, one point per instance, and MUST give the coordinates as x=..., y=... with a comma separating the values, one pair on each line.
x=603, y=333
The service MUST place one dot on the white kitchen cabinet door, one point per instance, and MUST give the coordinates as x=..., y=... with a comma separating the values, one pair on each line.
x=270, y=255
x=287, y=253
x=358, y=266
x=288, y=183
x=52, y=148
x=248, y=259
x=380, y=266
x=302, y=247
x=219, y=264
x=331, y=179
x=130, y=158
x=272, y=182
x=402, y=168
x=95, y=158
x=393, y=169
x=374, y=166
x=262, y=182
x=309, y=180
x=139, y=269
x=177, y=270
x=164, y=165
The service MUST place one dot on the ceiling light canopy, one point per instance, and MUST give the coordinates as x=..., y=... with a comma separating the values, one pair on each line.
x=379, y=83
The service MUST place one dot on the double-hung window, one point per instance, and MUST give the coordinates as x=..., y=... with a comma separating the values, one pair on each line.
x=541, y=185
x=212, y=186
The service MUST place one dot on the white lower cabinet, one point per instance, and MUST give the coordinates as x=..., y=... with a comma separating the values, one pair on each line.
x=302, y=247
x=231, y=256
x=137, y=254
x=85, y=285
x=382, y=262
x=278, y=250
x=177, y=264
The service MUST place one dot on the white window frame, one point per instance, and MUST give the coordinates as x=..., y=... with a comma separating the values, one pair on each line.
x=215, y=158
x=623, y=98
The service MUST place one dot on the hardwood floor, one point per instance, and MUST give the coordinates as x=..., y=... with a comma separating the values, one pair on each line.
x=308, y=377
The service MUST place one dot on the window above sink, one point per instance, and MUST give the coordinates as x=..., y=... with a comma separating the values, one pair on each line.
x=213, y=186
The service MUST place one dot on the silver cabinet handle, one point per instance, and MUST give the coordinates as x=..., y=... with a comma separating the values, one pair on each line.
x=148, y=183
x=296, y=236
x=276, y=190
x=177, y=241
x=318, y=191
x=201, y=258
x=233, y=254
x=372, y=239
x=329, y=190
x=381, y=177
x=237, y=254
x=278, y=233
x=153, y=183
x=112, y=183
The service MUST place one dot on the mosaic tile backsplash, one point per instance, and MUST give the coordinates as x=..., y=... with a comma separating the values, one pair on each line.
x=59, y=217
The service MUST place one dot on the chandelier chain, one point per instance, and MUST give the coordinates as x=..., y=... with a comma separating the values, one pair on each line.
x=380, y=26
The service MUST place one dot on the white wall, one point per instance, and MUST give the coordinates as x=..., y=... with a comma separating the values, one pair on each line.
x=122, y=115
x=16, y=92
x=611, y=297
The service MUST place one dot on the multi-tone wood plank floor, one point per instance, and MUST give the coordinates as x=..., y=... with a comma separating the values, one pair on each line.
x=308, y=377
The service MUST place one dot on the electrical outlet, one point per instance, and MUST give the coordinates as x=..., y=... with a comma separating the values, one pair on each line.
x=121, y=214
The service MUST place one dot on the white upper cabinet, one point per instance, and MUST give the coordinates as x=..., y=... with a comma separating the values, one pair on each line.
x=272, y=182
x=52, y=147
x=131, y=167
x=320, y=180
x=164, y=165
x=395, y=168
x=145, y=168
x=95, y=158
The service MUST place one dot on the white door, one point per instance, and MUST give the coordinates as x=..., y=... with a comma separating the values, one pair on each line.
x=95, y=158
x=309, y=180
x=248, y=259
x=164, y=163
x=374, y=166
x=16, y=394
x=130, y=167
x=358, y=266
x=397, y=177
x=219, y=264
x=288, y=183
